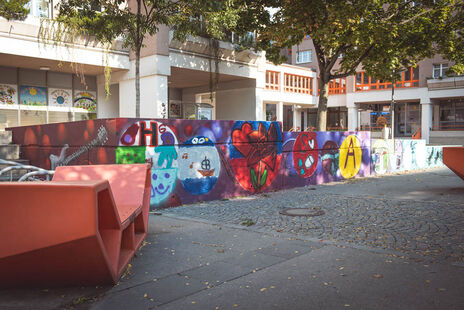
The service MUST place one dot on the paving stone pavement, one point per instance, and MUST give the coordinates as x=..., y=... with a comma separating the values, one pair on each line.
x=432, y=230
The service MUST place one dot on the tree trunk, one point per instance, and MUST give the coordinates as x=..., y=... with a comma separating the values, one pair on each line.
x=322, y=107
x=137, y=83
x=137, y=63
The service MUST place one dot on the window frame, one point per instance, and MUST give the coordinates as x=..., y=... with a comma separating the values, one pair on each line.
x=304, y=61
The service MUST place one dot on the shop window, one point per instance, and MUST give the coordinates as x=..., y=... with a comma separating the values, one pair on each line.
x=451, y=115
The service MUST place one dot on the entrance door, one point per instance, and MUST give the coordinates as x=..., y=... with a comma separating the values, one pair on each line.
x=408, y=119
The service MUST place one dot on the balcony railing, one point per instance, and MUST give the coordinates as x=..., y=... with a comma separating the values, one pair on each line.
x=409, y=78
x=298, y=84
x=272, y=80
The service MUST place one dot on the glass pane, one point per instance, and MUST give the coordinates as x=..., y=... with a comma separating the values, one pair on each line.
x=415, y=73
x=365, y=78
x=29, y=117
x=312, y=117
x=9, y=117
x=407, y=75
x=84, y=116
x=358, y=78
x=58, y=117
x=271, y=112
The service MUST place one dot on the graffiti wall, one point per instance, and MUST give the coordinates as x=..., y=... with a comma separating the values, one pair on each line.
x=404, y=155
x=194, y=160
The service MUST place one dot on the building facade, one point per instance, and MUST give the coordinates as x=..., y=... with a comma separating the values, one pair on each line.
x=42, y=81
x=427, y=101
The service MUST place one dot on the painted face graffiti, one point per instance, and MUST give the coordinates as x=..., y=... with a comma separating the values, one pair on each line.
x=163, y=182
x=199, y=165
x=255, y=151
x=305, y=154
x=350, y=157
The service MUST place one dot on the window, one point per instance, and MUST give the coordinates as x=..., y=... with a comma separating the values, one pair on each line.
x=304, y=56
x=439, y=70
x=39, y=8
x=451, y=114
x=409, y=78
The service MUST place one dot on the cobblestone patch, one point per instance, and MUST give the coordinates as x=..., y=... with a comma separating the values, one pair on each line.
x=434, y=230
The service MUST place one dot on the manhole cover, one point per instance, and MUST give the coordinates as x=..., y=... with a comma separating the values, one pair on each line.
x=309, y=212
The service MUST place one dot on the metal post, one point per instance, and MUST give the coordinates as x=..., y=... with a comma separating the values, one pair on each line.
x=392, y=108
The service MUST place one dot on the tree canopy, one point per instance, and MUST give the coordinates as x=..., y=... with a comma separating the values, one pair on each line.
x=382, y=35
x=132, y=21
x=14, y=9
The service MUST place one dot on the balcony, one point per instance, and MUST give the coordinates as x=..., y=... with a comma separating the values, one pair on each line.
x=298, y=84
x=202, y=46
x=446, y=83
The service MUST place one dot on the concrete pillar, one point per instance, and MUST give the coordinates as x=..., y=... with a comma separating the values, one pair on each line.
x=127, y=98
x=305, y=116
x=260, y=106
x=280, y=111
x=296, y=117
x=426, y=120
x=352, y=118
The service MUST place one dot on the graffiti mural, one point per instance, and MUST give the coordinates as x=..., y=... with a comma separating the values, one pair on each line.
x=199, y=165
x=255, y=153
x=380, y=156
x=329, y=158
x=305, y=154
x=350, y=157
x=195, y=160
x=60, y=97
x=86, y=100
x=31, y=95
x=8, y=94
x=156, y=143
x=404, y=155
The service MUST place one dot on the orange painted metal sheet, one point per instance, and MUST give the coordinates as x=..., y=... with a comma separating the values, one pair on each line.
x=82, y=228
x=453, y=157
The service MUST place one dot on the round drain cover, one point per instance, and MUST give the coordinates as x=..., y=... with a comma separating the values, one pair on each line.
x=309, y=212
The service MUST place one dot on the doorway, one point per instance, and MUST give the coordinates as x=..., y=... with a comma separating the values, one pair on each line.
x=407, y=118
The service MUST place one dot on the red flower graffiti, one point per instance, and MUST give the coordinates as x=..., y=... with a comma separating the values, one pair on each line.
x=259, y=149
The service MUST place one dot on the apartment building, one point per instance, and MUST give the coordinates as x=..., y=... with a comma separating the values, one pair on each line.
x=54, y=82
x=427, y=101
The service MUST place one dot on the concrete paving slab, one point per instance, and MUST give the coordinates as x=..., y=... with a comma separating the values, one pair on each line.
x=337, y=278
x=216, y=273
x=152, y=293
x=254, y=260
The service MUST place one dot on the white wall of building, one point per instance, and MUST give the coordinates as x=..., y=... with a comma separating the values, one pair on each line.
x=108, y=106
x=237, y=104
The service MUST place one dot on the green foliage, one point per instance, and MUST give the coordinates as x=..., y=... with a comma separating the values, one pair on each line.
x=14, y=9
x=384, y=36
